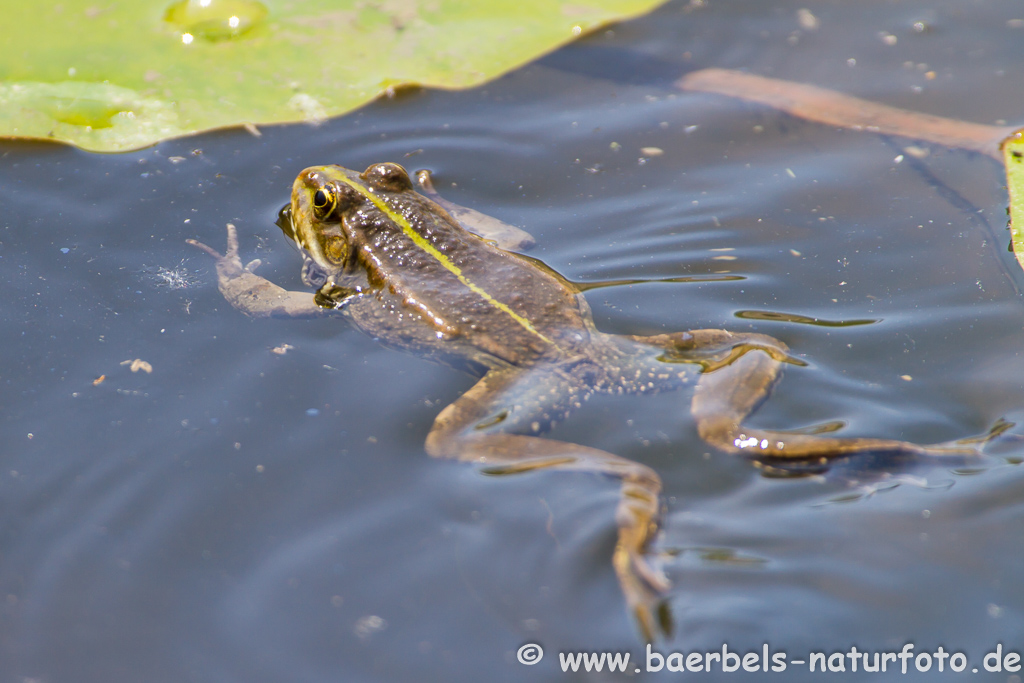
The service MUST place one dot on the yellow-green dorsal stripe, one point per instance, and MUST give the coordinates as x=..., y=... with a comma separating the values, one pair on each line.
x=426, y=246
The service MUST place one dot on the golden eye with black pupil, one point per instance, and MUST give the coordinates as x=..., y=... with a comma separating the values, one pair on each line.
x=324, y=201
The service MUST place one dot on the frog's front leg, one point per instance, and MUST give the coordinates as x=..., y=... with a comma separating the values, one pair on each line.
x=739, y=371
x=496, y=424
x=252, y=294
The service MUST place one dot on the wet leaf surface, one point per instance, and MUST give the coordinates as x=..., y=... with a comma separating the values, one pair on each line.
x=124, y=76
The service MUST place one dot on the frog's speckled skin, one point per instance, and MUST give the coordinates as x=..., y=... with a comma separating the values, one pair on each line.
x=401, y=269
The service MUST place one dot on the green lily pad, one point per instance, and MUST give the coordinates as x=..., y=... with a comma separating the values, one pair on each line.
x=1013, y=157
x=119, y=76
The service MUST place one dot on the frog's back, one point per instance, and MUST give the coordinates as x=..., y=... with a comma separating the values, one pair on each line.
x=454, y=286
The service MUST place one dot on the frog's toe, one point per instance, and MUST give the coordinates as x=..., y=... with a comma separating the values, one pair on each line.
x=644, y=587
x=1001, y=426
x=654, y=576
x=229, y=265
x=209, y=250
x=652, y=613
x=974, y=445
x=251, y=266
x=232, y=251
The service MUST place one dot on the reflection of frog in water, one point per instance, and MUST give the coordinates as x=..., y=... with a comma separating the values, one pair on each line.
x=404, y=271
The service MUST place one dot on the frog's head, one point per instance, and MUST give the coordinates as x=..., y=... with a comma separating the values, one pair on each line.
x=329, y=207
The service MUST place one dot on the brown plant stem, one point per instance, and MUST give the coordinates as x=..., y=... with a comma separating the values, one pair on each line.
x=836, y=109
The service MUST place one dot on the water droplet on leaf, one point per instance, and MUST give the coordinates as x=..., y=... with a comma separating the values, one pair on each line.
x=214, y=20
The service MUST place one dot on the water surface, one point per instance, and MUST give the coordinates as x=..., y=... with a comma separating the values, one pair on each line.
x=243, y=515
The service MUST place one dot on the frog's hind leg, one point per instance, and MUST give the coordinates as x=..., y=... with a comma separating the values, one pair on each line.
x=738, y=372
x=496, y=424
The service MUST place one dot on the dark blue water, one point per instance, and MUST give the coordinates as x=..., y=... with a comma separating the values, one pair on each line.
x=242, y=515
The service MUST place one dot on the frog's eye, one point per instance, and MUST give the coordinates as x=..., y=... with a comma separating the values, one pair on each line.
x=324, y=201
x=390, y=177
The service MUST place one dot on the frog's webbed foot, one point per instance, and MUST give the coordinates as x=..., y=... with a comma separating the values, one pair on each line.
x=229, y=265
x=739, y=371
x=505, y=236
x=250, y=293
x=495, y=424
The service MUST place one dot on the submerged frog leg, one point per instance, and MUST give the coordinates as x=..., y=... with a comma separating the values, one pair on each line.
x=252, y=294
x=739, y=371
x=505, y=236
x=495, y=424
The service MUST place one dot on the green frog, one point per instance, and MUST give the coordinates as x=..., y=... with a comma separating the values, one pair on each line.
x=438, y=280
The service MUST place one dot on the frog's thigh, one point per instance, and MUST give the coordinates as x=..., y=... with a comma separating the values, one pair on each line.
x=743, y=369
x=492, y=424
x=498, y=420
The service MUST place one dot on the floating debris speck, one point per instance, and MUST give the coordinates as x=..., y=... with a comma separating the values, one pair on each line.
x=138, y=364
